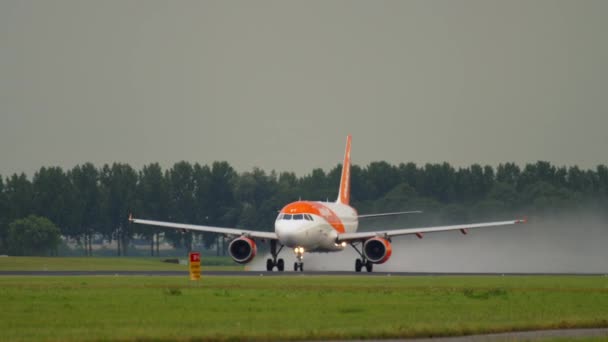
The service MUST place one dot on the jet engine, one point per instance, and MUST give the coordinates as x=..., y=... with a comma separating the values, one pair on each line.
x=242, y=250
x=377, y=250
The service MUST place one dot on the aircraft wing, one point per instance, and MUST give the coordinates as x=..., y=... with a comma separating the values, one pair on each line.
x=349, y=237
x=209, y=229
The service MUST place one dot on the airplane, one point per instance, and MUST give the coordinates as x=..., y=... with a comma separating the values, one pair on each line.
x=313, y=227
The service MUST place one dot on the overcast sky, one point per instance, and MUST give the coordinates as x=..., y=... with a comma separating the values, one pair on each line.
x=279, y=84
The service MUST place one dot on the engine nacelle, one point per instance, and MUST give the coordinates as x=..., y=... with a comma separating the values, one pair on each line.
x=242, y=250
x=377, y=250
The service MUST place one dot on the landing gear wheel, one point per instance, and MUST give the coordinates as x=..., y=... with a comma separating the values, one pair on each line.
x=369, y=266
x=271, y=263
x=358, y=265
x=298, y=265
x=295, y=267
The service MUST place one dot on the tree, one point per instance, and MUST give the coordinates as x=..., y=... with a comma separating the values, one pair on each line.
x=255, y=192
x=54, y=198
x=545, y=172
x=409, y=174
x=542, y=171
x=508, y=173
x=86, y=208
x=181, y=197
x=481, y=181
x=33, y=235
x=438, y=182
x=381, y=177
x=581, y=181
x=315, y=186
x=287, y=188
x=153, y=200
x=19, y=194
x=602, y=177
x=225, y=212
x=4, y=213
x=223, y=180
x=401, y=198
x=358, y=186
x=506, y=194
x=204, y=201
x=118, y=188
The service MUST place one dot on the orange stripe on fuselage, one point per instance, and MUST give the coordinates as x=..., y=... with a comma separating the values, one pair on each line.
x=315, y=208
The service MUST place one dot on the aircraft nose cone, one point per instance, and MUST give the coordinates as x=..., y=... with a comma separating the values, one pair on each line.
x=288, y=240
x=287, y=233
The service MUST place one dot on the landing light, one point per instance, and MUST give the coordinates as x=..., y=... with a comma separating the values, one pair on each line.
x=298, y=250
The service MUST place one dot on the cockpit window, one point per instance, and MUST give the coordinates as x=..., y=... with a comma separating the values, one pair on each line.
x=306, y=217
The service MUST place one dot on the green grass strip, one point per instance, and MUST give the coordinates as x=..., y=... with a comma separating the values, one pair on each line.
x=290, y=308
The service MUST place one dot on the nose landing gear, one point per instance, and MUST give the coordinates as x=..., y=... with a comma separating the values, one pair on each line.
x=299, y=255
x=271, y=263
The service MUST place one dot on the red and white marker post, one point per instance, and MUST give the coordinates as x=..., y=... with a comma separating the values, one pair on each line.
x=195, y=265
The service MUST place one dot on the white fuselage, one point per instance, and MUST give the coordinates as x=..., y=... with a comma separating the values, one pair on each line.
x=315, y=226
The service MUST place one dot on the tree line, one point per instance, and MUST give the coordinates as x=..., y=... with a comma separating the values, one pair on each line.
x=88, y=201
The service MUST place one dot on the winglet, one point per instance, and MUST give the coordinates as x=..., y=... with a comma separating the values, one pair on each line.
x=344, y=192
x=523, y=220
x=130, y=217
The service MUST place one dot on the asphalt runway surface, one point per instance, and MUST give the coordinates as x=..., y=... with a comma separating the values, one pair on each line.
x=273, y=274
x=518, y=336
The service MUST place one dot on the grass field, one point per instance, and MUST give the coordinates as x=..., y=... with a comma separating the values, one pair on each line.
x=108, y=264
x=296, y=307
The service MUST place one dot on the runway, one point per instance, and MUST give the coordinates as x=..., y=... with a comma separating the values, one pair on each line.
x=274, y=274
x=517, y=336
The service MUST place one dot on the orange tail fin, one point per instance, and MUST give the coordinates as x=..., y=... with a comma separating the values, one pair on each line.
x=344, y=193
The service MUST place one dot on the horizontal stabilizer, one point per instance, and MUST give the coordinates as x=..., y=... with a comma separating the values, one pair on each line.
x=391, y=214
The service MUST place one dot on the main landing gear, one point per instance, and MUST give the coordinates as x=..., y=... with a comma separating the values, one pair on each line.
x=271, y=263
x=363, y=262
x=299, y=255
